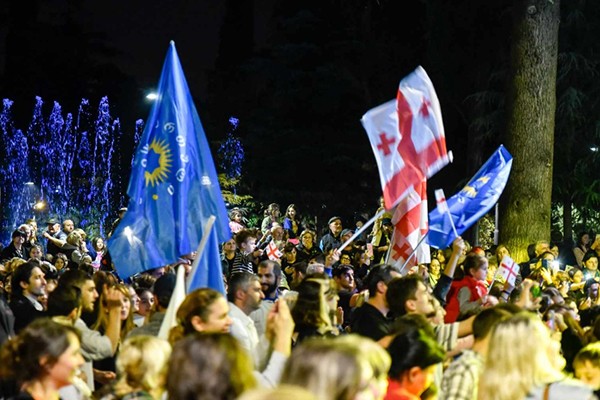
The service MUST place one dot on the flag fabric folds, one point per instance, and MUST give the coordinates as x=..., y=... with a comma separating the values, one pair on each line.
x=472, y=202
x=507, y=271
x=208, y=272
x=407, y=137
x=173, y=188
x=410, y=226
x=273, y=252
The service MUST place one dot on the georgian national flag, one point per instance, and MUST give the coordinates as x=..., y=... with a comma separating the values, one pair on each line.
x=508, y=270
x=410, y=225
x=407, y=137
x=273, y=252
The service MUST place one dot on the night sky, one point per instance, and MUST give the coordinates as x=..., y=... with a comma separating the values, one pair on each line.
x=127, y=41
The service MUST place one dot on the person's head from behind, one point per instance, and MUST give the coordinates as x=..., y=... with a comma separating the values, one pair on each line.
x=414, y=358
x=142, y=365
x=203, y=310
x=379, y=277
x=45, y=351
x=311, y=308
x=408, y=295
x=522, y=352
x=344, y=368
x=209, y=366
x=484, y=322
x=299, y=272
x=65, y=301
x=288, y=392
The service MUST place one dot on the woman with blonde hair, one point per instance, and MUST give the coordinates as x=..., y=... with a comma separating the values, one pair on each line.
x=141, y=369
x=343, y=368
x=524, y=362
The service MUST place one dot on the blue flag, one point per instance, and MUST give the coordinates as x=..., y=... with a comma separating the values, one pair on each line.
x=472, y=202
x=206, y=275
x=173, y=188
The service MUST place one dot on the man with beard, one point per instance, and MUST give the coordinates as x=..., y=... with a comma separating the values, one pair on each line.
x=245, y=296
x=28, y=284
x=269, y=275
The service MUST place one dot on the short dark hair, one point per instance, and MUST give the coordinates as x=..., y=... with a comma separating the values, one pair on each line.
x=239, y=281
x=413, y=348
x=379, y=273
x=588, y=255
x=63, y=300
x=300, y=267
x=74, y=277
x=22, y=274
x=270, y=263
x=400, y=290
x=242, y=236
x=340, y=270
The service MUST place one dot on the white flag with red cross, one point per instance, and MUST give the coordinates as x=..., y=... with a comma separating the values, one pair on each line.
x=407, y=137
x=508, y=270
x=410, y=225
x=273, y=252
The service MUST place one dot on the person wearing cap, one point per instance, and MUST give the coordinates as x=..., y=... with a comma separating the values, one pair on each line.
x=381, y=240
x=114, y=225
x=16, y=248
x=56, y=238
x=333, y=239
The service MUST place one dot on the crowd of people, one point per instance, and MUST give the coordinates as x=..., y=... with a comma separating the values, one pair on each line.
x=301, y=318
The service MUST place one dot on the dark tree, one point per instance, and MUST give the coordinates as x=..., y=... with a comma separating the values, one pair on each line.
x=531, y=106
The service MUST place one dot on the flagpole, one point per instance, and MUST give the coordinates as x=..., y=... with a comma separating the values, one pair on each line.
x=209, y=224
x=414, y=251
x=170, y=319
x=361, y=230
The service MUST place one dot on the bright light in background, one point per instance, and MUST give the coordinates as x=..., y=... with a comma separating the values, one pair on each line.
x=40, y=205
x=594, y=148
x=29, y=183
x=152, y=96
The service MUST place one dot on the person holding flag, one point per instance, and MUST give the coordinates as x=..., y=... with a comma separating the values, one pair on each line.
x=408, y=140
x=174, y=195
x=469, y=294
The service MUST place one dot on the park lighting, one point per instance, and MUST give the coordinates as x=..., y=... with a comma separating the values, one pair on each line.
x=152, y=96
x=40, y=205
x=594, y=149
x=29, y=183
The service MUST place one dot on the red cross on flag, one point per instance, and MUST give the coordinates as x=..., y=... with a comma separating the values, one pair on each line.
x=508, y=270
x=273, y=252
x=407, y=137
x=410, y=225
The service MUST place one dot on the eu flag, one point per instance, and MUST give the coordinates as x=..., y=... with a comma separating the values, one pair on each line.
x=473, y=201
x=173, y=188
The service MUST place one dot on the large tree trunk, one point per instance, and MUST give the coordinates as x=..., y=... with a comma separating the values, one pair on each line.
x=531, y=104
